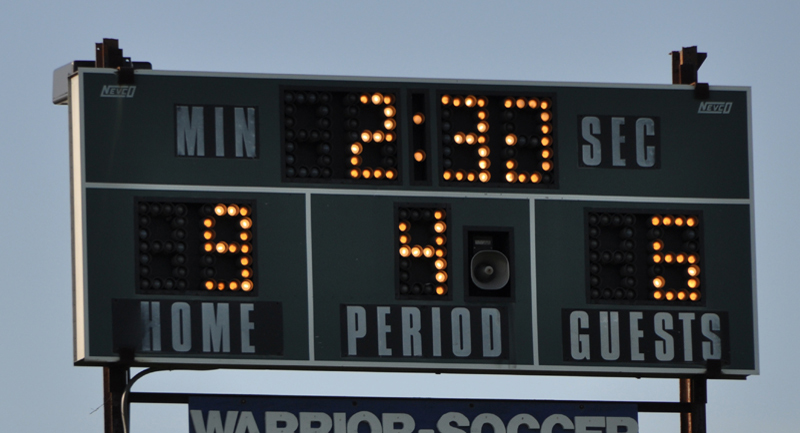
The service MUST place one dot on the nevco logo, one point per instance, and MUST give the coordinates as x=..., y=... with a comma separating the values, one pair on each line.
x=118, y=91
x=715, y=107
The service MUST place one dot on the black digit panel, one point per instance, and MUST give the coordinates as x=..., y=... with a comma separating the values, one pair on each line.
x=422, y=269
x=644, y=257
x=195, y=247
x=340, y=136
x=497, y=140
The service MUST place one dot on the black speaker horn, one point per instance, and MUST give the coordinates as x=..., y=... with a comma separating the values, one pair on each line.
x=490, y=270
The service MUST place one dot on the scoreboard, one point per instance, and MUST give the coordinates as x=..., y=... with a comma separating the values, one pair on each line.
x=339, y=223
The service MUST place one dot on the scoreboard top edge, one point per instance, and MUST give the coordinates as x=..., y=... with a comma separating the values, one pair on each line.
x=410, y=80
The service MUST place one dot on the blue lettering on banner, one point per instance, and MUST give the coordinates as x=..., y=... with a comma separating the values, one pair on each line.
x=278, y=414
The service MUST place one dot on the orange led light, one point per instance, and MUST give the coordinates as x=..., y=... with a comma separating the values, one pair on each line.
x=470, y=101
x=483, y=126
x=658, y=295
x=440, y=264
x=484, y=163
x=692, y=259
x=545, y=104
x=522, y=177
x=377, y=98
x=693, y=283
x=209, y=222
x=521, y=103
x=441, y=276
x=246, y=248
x=680, y=258
x=447, y=175
x=445, y=99
x=428, y=251
x=667, y=220
x=418, y=118
x=656, y=258
x=389, y=124
x=545, y=141
x=460, y=175
x=511, y=139
x=222, y=247
x=210, y=284
x=459, y=137
x=366, y=136
x=405, y=251
x=693, y=270
x=245, y=235
x=511, y=164
x=682, y=295
x=208, y=247
x=389, y=136
x=484, y=176
x=220, y=209
x=482, y=115
x=355, y=173
x=366, y=173
x=221, y=285
x=404, y=238
x=245, y=261
x=691, y=221
x=508, y=103
x=233, y=210
x=389, y=111
x=547, y=165
x=471, y=138
x=669, y=258
x=416, y=251
x=247, y=285
x=533, y=102
x=545, y=116
x=378, y=173
x=694, y=296
x=546, y=129
x=378, y=136
x=441, y=252
x=536, y=177
x=244, y=210
x=440, y=240
x=388, y=99
x=657, y=245
x=441, y=289
x=546, y=153
x=658, y=282
x=233, y=285
x=247, y=273
x=482, y=102
x=471, y=176
x=364, y=98
x=679, y=221
x=511, y=177
x=655, y=220
x=208, y=235
x=670, y=295
x=483, y=151
x=439, y=214
x=355, y=160
x=246, y=223
x=403, y=226
x=456, y=101
x=440, y=227
x=391, y=173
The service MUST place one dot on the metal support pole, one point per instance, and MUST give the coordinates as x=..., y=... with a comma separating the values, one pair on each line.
x=694, y=391
x=115, y=378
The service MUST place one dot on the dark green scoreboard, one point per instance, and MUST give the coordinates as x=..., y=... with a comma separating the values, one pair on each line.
x=260, y=221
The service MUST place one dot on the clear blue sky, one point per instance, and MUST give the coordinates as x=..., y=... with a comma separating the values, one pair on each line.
x=749, y=44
